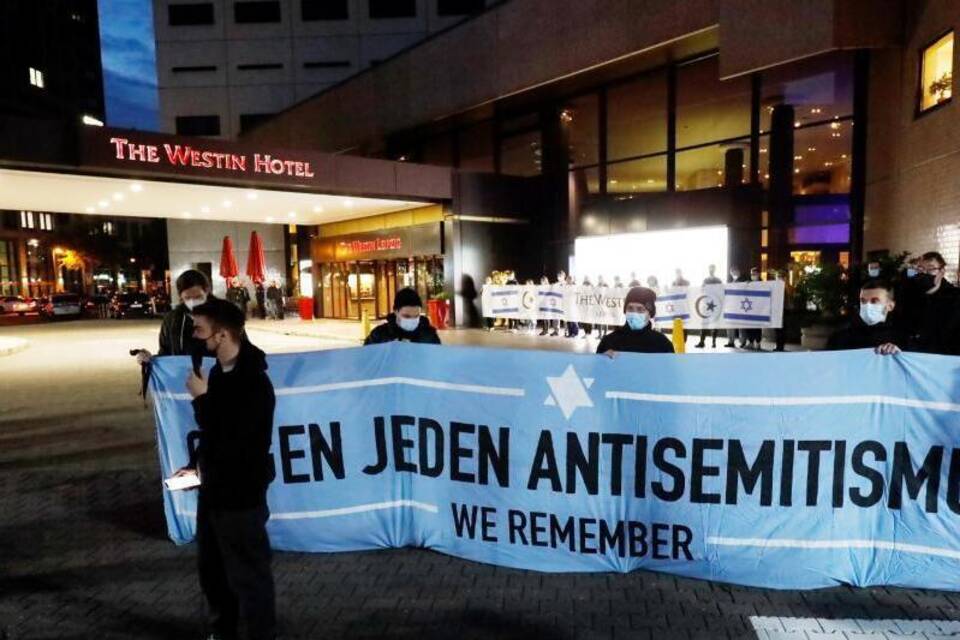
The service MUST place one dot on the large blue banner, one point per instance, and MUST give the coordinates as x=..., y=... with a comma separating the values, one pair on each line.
x=777, y=470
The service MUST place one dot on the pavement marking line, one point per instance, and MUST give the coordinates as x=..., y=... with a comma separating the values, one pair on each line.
x=852, y=628
x=784, y=401
x=379, y=382
x=787, y=543
x=341, y=511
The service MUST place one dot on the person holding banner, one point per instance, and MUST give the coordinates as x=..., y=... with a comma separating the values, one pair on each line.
x=873, y=327
x=637, y=335
x=406, y=323
x=233, y=408
x=709, y=280
x=176, y=330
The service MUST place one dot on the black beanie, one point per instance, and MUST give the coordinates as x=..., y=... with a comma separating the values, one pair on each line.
x=406, y=297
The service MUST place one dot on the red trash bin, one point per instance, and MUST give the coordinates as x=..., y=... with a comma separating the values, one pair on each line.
x=433, y=313
x=306, y=308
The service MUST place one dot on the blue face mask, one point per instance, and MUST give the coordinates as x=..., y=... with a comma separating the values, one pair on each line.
x=408, y=324
x=636, y=321
x=874, y=273
x=873, y=314
x=911, y=272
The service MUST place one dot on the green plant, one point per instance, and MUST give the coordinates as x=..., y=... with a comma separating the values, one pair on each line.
x=440, y=295
x=942, y=86
x=823, y=290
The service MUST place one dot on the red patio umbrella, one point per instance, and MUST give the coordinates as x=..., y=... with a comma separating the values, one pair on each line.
x=228, y=261
x=256, y=263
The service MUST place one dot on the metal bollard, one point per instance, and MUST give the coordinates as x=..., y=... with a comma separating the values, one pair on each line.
x=364, y=324
x=679, y=339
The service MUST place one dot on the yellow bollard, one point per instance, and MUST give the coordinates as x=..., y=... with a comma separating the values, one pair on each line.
x=364, y=324
x=679, y=339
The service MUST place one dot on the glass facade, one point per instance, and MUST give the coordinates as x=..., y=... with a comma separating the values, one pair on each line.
x=680, y=128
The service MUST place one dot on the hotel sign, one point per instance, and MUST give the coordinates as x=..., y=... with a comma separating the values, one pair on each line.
x=386, y=244
x=199, y=157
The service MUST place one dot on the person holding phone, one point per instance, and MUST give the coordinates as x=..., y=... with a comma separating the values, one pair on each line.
x=233, y=408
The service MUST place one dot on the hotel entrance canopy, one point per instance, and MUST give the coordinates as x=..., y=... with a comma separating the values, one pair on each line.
x=93, y=170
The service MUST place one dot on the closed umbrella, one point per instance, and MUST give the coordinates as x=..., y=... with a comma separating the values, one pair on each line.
x=228, y=261
x=256, y=263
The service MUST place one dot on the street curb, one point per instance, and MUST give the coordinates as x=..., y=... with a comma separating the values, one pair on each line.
x=10, y=346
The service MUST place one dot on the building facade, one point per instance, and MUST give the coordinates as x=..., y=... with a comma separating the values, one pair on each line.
x=224, y=66
x=50, y=69
x=811, y=132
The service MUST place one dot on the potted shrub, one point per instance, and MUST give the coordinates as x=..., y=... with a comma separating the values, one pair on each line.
x=822, y=295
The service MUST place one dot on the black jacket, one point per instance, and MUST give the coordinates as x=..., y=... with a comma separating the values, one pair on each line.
x=860, y=335
x=390, y=331
x=176, y=332
x=235, y=417
x=938, y=330
x=646, y=340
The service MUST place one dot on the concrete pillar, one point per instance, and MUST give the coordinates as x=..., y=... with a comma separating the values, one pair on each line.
x=733, y=168
x=780, y=192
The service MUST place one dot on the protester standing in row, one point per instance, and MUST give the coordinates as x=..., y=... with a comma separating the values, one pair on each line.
x=935, y=328
x=711, y=279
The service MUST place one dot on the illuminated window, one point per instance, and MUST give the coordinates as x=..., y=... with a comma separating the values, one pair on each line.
x=26, y=220
x=36, y=78
x=936, y=73
x=108, y=228
x=46, y=221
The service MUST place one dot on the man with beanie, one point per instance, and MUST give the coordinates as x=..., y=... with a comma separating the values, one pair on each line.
x=637, y=335
x=405, y=323
x=233, y=407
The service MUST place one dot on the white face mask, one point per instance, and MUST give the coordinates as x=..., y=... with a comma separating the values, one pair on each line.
x=408, y=324
x=193, y=303
x=873, y=273
x=872, y=314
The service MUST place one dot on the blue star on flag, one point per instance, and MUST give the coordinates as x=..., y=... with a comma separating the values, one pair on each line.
x=747, y=304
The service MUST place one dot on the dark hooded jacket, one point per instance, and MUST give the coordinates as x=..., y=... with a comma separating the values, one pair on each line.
x=390, y=331
x=646, y=340
x=235, y=417
x=176, y=332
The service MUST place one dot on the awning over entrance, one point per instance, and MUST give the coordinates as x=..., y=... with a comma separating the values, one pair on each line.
x=94, y=170
x=76, y=193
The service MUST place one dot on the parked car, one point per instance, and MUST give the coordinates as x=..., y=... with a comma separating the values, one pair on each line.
x=61, y=305
x=92, y=304
x=14, y=304
x=129, y=305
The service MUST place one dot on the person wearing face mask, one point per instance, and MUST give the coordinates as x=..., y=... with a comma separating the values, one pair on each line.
x=873, y=327
x=733, y=333
x=406, y=323
x=750, y=338
x=637, y=334
x=176, y=330
x=936, y=327
x=233, y=407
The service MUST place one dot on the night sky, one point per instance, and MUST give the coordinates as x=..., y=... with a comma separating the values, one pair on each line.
x=129, y=63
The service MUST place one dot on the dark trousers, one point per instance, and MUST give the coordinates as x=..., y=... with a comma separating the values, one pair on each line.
x=234, y=565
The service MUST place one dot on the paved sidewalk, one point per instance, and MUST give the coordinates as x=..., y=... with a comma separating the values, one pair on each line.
x=10, y=345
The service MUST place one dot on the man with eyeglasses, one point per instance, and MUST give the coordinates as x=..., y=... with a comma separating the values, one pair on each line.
x=936, y=326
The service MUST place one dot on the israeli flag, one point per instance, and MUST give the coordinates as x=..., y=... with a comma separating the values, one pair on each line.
x=506, y=300
x=673, y=305
x=550, y=303
x=744, y=303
